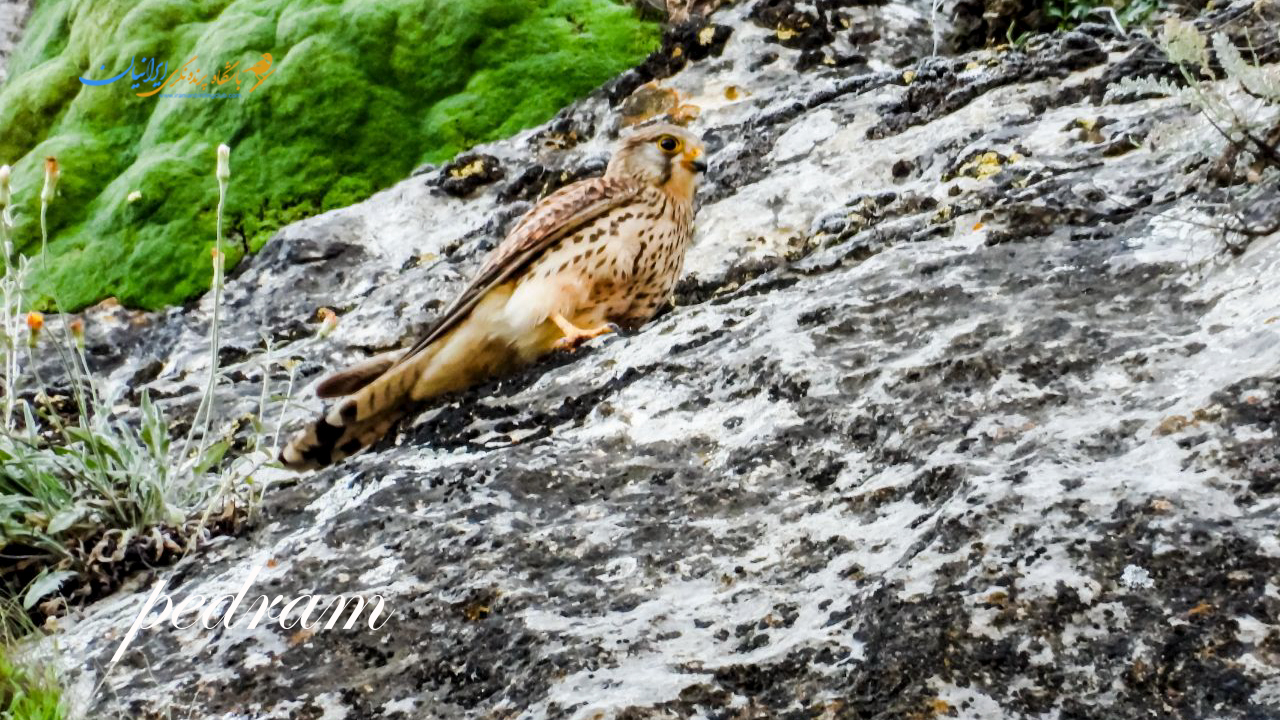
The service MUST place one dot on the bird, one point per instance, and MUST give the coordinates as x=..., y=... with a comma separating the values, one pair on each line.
x=595, y=256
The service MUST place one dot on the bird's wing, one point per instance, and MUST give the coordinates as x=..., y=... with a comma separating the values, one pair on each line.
x=556, y=216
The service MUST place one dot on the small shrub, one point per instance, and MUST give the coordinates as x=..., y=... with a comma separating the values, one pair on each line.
x=1240, y=100
x=86, y=493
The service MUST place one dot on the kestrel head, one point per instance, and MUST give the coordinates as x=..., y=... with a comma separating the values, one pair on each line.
x=667, y=156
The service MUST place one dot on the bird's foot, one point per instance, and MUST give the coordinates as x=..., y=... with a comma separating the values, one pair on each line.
x=575, y=336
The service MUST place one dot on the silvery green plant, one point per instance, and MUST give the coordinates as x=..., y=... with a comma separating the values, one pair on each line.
x=66, y=480
x=10, y=303
x=1240, y=103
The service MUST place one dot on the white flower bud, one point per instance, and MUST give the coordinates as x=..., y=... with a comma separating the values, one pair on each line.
x=51, y=174
x=4, y=186
x=224, y=163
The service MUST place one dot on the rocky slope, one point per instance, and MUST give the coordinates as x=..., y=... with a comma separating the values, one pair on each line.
x=965, y=410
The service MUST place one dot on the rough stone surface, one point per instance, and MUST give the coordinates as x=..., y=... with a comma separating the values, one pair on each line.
x=964, y=411
x=13, y=17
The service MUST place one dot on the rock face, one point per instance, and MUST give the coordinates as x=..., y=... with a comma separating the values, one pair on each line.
x=13, y=16
x=963, y=411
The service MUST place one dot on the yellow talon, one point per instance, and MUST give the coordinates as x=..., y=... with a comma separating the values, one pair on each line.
x=574, y=335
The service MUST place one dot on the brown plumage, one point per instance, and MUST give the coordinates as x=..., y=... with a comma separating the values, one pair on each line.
x=599, y=252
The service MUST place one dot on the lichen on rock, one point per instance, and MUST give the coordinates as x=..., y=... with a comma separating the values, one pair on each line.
x=958, y=413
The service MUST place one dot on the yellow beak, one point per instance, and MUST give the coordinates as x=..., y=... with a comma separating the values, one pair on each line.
x=692, y=161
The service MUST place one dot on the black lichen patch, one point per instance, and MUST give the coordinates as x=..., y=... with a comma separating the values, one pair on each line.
x=458, y=420
x=811, y=26
x=468, y=173
x=1252, y=404
x=986, y=23
x=810, y=29
x=566, y=130
x=693, y=40
x=796, y=26
x=537, y=181
x=940, y=86
x=692, y=291
x=1036, y=202
x=1173, y=645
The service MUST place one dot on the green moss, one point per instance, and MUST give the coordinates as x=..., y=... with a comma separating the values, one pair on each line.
x=26, y=694
x=361, y=93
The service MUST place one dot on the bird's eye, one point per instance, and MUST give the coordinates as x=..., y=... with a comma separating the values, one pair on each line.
x=669, y=143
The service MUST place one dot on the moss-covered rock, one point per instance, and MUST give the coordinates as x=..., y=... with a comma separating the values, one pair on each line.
x=360, y=93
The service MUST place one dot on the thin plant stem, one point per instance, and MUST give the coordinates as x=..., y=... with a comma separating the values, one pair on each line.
x=44, y=235
x=284, y=406
x=205, y=410
x=10, y=310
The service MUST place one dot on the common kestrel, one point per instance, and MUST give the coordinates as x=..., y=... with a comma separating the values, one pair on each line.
x=597, y=253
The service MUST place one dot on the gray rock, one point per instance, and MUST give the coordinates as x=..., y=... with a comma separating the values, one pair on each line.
x=13, y=18
x=959, y=413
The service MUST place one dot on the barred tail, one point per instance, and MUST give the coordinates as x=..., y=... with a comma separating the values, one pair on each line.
x=355, y=378
x=378, y=390
x=320, y=443
x=356, y=422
